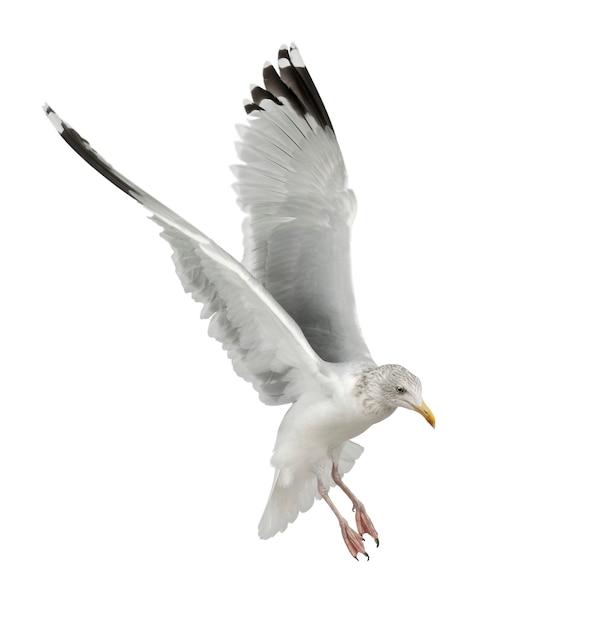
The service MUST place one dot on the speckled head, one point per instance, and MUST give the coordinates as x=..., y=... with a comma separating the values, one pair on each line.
x=389, y=387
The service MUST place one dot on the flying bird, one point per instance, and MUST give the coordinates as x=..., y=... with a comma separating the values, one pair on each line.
x=286, y=315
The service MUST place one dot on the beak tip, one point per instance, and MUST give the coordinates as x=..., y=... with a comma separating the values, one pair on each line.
x=428, y=415
x=424, y=410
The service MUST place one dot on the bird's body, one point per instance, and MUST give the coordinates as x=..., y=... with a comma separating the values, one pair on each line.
x=287, y=314
x=314, y=434
x=320, y=422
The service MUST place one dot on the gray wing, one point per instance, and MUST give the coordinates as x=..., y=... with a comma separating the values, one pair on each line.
x=293, y=187
x=266, y=346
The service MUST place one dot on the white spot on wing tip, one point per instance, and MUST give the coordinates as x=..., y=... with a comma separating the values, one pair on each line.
x=296, y=57
x=56, y=121
x=282, y=63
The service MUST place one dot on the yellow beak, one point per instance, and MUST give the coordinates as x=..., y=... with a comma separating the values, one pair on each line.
x=426, y=412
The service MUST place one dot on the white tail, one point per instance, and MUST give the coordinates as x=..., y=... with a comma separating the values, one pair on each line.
x=294, y=494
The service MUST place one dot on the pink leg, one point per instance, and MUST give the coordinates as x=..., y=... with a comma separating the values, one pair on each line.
x=353, y=540
x=364, y=523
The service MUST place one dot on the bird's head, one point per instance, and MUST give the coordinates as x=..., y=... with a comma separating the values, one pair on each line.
x=393, y=386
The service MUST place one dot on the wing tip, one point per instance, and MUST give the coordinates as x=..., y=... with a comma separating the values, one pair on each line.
x=54, y=119
x=83, y=148
x=293, y=83
x=296, y=57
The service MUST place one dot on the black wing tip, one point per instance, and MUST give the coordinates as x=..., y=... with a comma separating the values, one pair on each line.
x=259, y=94
x=293, y=83
x=250, y=107
x=82, y=147
x=283, y=52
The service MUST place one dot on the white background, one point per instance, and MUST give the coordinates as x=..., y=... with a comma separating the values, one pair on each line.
x=134, y=465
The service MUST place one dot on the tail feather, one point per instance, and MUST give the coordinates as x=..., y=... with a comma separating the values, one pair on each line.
x=293, y=495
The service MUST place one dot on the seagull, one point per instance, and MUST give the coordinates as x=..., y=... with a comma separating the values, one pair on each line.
x=286, y=314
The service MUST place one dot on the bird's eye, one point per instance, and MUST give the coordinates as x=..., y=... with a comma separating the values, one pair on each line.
x=400, y=389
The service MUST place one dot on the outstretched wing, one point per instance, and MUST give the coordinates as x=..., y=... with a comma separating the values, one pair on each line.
x=293, y=186
x=266, y=346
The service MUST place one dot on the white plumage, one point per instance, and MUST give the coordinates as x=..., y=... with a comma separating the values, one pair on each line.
x=287, y=314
